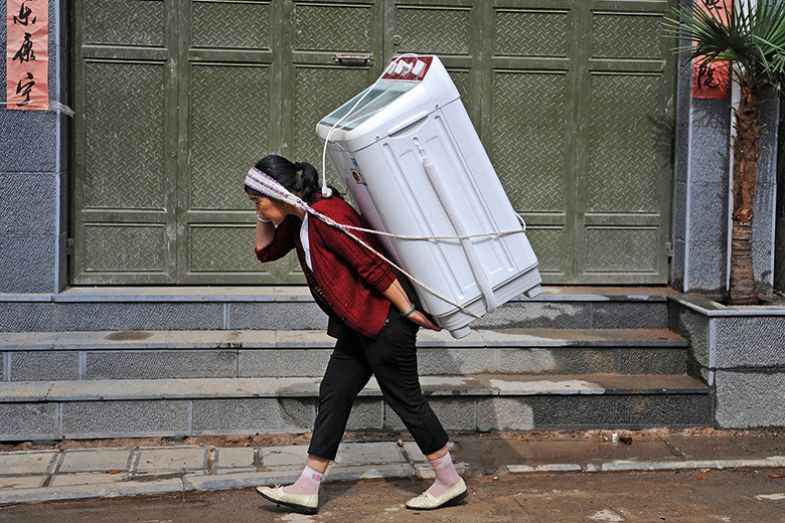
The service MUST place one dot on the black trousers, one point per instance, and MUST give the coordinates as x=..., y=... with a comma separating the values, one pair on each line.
x=392, y=358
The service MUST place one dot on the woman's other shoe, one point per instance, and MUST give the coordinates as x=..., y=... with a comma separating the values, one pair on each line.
x=426, y=501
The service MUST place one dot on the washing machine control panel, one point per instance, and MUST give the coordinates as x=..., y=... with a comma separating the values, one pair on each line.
x=408, y=68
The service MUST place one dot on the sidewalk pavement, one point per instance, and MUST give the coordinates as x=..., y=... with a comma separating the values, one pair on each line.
x=51, y=474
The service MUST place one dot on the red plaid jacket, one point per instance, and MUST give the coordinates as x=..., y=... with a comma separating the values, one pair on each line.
x=352, y=279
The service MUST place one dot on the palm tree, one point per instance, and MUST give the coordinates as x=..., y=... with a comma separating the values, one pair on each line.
x=751, y=36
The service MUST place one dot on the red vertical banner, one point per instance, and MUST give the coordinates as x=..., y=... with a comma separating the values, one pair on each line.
x=27, y=54
x=710, y=79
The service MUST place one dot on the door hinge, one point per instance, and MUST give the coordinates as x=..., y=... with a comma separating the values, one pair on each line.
x=669, y=249
x=69, y=247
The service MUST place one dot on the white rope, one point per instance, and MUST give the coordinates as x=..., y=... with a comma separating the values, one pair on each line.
x=263, y=183
x=457, y=237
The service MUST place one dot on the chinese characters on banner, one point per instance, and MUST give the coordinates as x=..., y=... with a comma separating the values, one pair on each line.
x=27, y=83
x=710, y=79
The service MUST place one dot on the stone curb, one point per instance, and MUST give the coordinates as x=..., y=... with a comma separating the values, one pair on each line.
x=198, y=482
x=158, y=470
x=647, y=466
x=104, y=490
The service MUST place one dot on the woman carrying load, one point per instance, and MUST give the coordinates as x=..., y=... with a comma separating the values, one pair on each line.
x=376, y=323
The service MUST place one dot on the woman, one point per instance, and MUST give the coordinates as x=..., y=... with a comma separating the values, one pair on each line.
x=377, y=330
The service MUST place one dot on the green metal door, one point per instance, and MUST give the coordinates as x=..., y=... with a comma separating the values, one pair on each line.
x=176, y=98
x=579, y=124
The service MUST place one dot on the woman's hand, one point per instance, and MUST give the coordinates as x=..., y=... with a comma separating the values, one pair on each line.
x=422, y=320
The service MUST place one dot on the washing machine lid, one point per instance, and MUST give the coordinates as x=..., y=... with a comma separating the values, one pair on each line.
x=383, y=94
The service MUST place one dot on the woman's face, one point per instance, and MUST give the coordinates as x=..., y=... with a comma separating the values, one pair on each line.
x=270, y=208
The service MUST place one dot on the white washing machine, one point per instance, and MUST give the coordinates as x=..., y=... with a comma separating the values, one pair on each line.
x=414, y=164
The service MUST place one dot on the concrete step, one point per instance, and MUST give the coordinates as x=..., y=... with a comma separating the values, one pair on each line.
x=223, y=354
x=292, y=308
x=184, y=407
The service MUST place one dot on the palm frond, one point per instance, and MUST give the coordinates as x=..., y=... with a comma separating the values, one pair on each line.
x=750, y=34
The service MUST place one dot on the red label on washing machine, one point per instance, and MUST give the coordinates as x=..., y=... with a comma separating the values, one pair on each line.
x=408, y=68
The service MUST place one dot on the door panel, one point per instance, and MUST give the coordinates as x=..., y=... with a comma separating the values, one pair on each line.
x=124, y=227
x=530, y=122
x=625, y=174
x=227, y=53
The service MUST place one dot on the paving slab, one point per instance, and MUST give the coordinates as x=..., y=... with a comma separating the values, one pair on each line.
x=95, y=460
x=356, y=454
x=64, y=480
x=171, y=459
x=284, y=456
x=21, y=482
x=25, y=462
x=234, y=458
x=414, y=453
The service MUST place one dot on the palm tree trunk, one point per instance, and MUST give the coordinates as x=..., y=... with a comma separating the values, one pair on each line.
x=746, y=152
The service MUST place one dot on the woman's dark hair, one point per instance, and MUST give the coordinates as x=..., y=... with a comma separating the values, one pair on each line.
x=298, y=177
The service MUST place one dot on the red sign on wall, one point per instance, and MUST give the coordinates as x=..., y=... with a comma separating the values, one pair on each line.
x=710, y=79
x=27, y=56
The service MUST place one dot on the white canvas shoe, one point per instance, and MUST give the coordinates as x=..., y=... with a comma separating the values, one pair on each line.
x=300, y=503
x=426, y=501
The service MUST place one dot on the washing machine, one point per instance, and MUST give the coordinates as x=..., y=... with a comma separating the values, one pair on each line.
x=414, y=164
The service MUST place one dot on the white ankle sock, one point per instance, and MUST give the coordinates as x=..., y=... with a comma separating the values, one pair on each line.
x=308, y=483
x=446, y=475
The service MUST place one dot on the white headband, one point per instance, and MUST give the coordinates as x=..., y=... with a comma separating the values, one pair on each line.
x=263, y=183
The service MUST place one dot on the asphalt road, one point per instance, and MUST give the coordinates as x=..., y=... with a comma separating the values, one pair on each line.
x=682, y=496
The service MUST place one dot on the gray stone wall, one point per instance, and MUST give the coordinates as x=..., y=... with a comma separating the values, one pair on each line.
x=33, y=191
